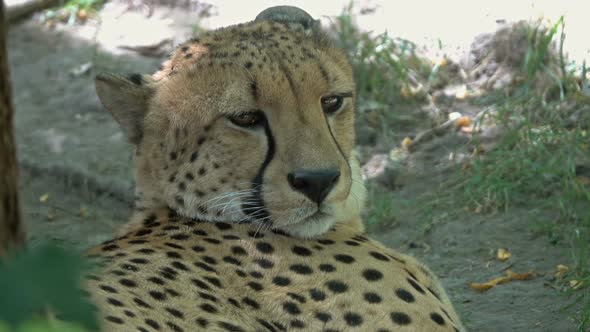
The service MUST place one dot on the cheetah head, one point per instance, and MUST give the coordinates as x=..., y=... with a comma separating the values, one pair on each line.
x=249, y=124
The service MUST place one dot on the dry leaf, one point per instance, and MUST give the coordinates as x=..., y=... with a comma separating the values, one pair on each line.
x=576, y=284
x=44, y=198
x=406, y=142
x=464, y=121
x=503, y=254
x=51, y=215
x=561, y=271
x=496, y=281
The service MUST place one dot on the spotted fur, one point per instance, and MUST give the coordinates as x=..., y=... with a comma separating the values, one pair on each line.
x=237, y=228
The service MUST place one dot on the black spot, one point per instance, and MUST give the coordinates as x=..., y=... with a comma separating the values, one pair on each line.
x=301, y=269
x=173, y=245
x=180, y=266
x=110, y=247
x=128, y=283
x=255, y=286
x=265, y=248
x=230, y=236
x=353, y=319
x=337, y=286
x=266, y=325
x=405, y=295
x=141, y=303
x=327, y=268
x=325, y=241
x=230, y=327
x=173, y=254
x=129, y=314
x=291, y=308
x=200, y=232
x=157, y=295
x=323, y=316
x=223, y=226
x=256, y=274
x=301, y=251
x=400, y=318
x=234, y=302
x=437, y=318
x=297, y=324
x=180, y=237
x=207, y=296
x=176, y=313
x=352, y=243
x=179, y=200
x=372, y=275
x=198, y=249
x=135, y=79
x=248, y=65
x=108, y=289
x=281, y=281
x=200, y=284
x=211, y=240
x=152, y=323
x=139, y=260
x=296, y=297
x=115, y=302
x=156, y=280
x=253, y=304
x=208, y=308
x=239, y=251
x=379, y=256
x=415, y=285
x=264, y=263
x=435, y=294
x=188, y=55
x=174, y=327
x=114, y=319
x=347, y=259
x=372, y=297
x=231, y=260
x=202, y=171
x=317, y=295
x=194, y=156
x=213, y=281
x=143, y=232
x=202, y=322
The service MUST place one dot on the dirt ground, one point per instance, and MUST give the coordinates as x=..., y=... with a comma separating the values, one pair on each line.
x=77, y=187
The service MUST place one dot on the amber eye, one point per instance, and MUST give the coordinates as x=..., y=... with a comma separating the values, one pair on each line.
x=331, y=104
x=247, y=119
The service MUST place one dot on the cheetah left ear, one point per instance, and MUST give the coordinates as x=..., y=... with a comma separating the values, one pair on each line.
x=288, y=14
x=127, y=98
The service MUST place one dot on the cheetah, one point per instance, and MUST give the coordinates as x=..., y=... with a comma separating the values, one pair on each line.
x=247, y=216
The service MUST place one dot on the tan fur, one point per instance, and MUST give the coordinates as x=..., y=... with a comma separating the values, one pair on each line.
x=192, y=258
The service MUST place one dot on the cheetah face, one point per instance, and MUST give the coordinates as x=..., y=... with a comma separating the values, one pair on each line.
x=248, y=124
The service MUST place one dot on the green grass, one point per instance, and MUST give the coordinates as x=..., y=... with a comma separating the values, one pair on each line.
x=534, y=164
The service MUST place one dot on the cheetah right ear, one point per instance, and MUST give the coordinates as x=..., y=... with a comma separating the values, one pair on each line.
x=126, y=97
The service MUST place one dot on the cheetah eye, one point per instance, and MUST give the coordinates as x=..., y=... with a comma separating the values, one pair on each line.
x=331, y=104
x=247, y=119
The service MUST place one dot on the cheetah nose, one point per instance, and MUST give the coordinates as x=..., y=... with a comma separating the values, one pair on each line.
x=315, y=183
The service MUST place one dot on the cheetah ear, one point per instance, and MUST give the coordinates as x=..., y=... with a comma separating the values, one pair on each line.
x=126, y=97
x=288, y=14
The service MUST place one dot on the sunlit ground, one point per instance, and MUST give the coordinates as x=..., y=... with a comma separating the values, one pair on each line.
x=450, y=24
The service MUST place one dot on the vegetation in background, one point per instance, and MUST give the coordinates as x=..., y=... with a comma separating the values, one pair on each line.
x=538, y=162
x=41, y=281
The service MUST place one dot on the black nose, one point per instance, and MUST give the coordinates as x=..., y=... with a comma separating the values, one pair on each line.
x=315, y=184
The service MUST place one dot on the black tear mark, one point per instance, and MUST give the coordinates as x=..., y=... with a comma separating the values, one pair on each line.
x=255, y=208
